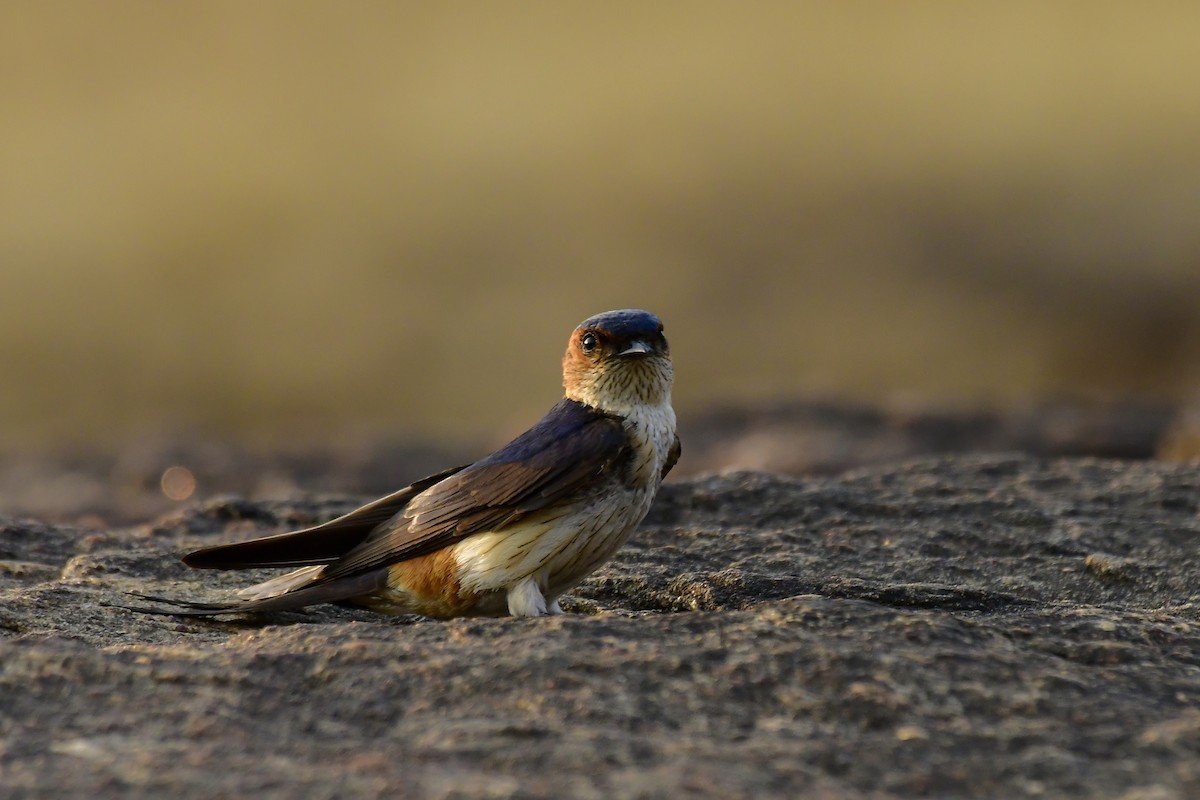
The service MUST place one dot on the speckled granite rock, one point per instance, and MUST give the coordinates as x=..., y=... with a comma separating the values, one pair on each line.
x=974, y=626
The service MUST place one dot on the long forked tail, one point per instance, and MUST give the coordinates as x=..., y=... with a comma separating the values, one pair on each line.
x=328, y=592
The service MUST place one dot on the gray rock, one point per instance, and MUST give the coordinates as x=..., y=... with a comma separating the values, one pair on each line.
x=970, y=626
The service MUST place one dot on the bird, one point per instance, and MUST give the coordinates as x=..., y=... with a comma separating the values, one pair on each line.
x=508, y=534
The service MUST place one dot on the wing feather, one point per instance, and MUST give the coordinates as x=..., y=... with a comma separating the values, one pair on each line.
x=320, y=544
x=554, y=460
x=672, y=457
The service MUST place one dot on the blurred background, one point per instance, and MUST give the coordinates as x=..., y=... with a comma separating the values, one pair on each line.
x=286, y=221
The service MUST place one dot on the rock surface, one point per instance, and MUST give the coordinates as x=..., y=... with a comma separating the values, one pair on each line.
x=969, y=626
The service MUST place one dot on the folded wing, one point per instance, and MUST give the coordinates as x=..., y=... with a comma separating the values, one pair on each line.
x=559, y=458
x=320, y=544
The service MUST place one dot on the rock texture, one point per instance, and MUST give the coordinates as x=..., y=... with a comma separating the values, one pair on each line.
x=970, y=626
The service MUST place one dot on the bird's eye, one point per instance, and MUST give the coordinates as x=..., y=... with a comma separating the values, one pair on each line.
x=588, y=342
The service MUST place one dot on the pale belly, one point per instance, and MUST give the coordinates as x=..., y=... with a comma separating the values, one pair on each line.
x=557, y=550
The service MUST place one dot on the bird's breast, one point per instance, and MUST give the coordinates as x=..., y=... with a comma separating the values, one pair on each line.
x=651, y=432
x=562, y=544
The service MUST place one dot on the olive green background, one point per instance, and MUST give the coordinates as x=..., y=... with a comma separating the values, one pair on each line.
x=291, y=219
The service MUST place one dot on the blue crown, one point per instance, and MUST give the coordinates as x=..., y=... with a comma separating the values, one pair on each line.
x=626, y=323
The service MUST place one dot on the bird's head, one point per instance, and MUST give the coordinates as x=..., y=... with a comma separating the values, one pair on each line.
x=617, y=360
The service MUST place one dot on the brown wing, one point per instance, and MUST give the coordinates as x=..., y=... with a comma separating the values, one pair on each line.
x=559, y=458
x=321, y=544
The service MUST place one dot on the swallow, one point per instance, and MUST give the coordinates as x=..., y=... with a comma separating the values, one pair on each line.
x=510, y=533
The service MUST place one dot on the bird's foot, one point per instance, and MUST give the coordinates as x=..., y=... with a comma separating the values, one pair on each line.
x=525, y=599
x=555, y=609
